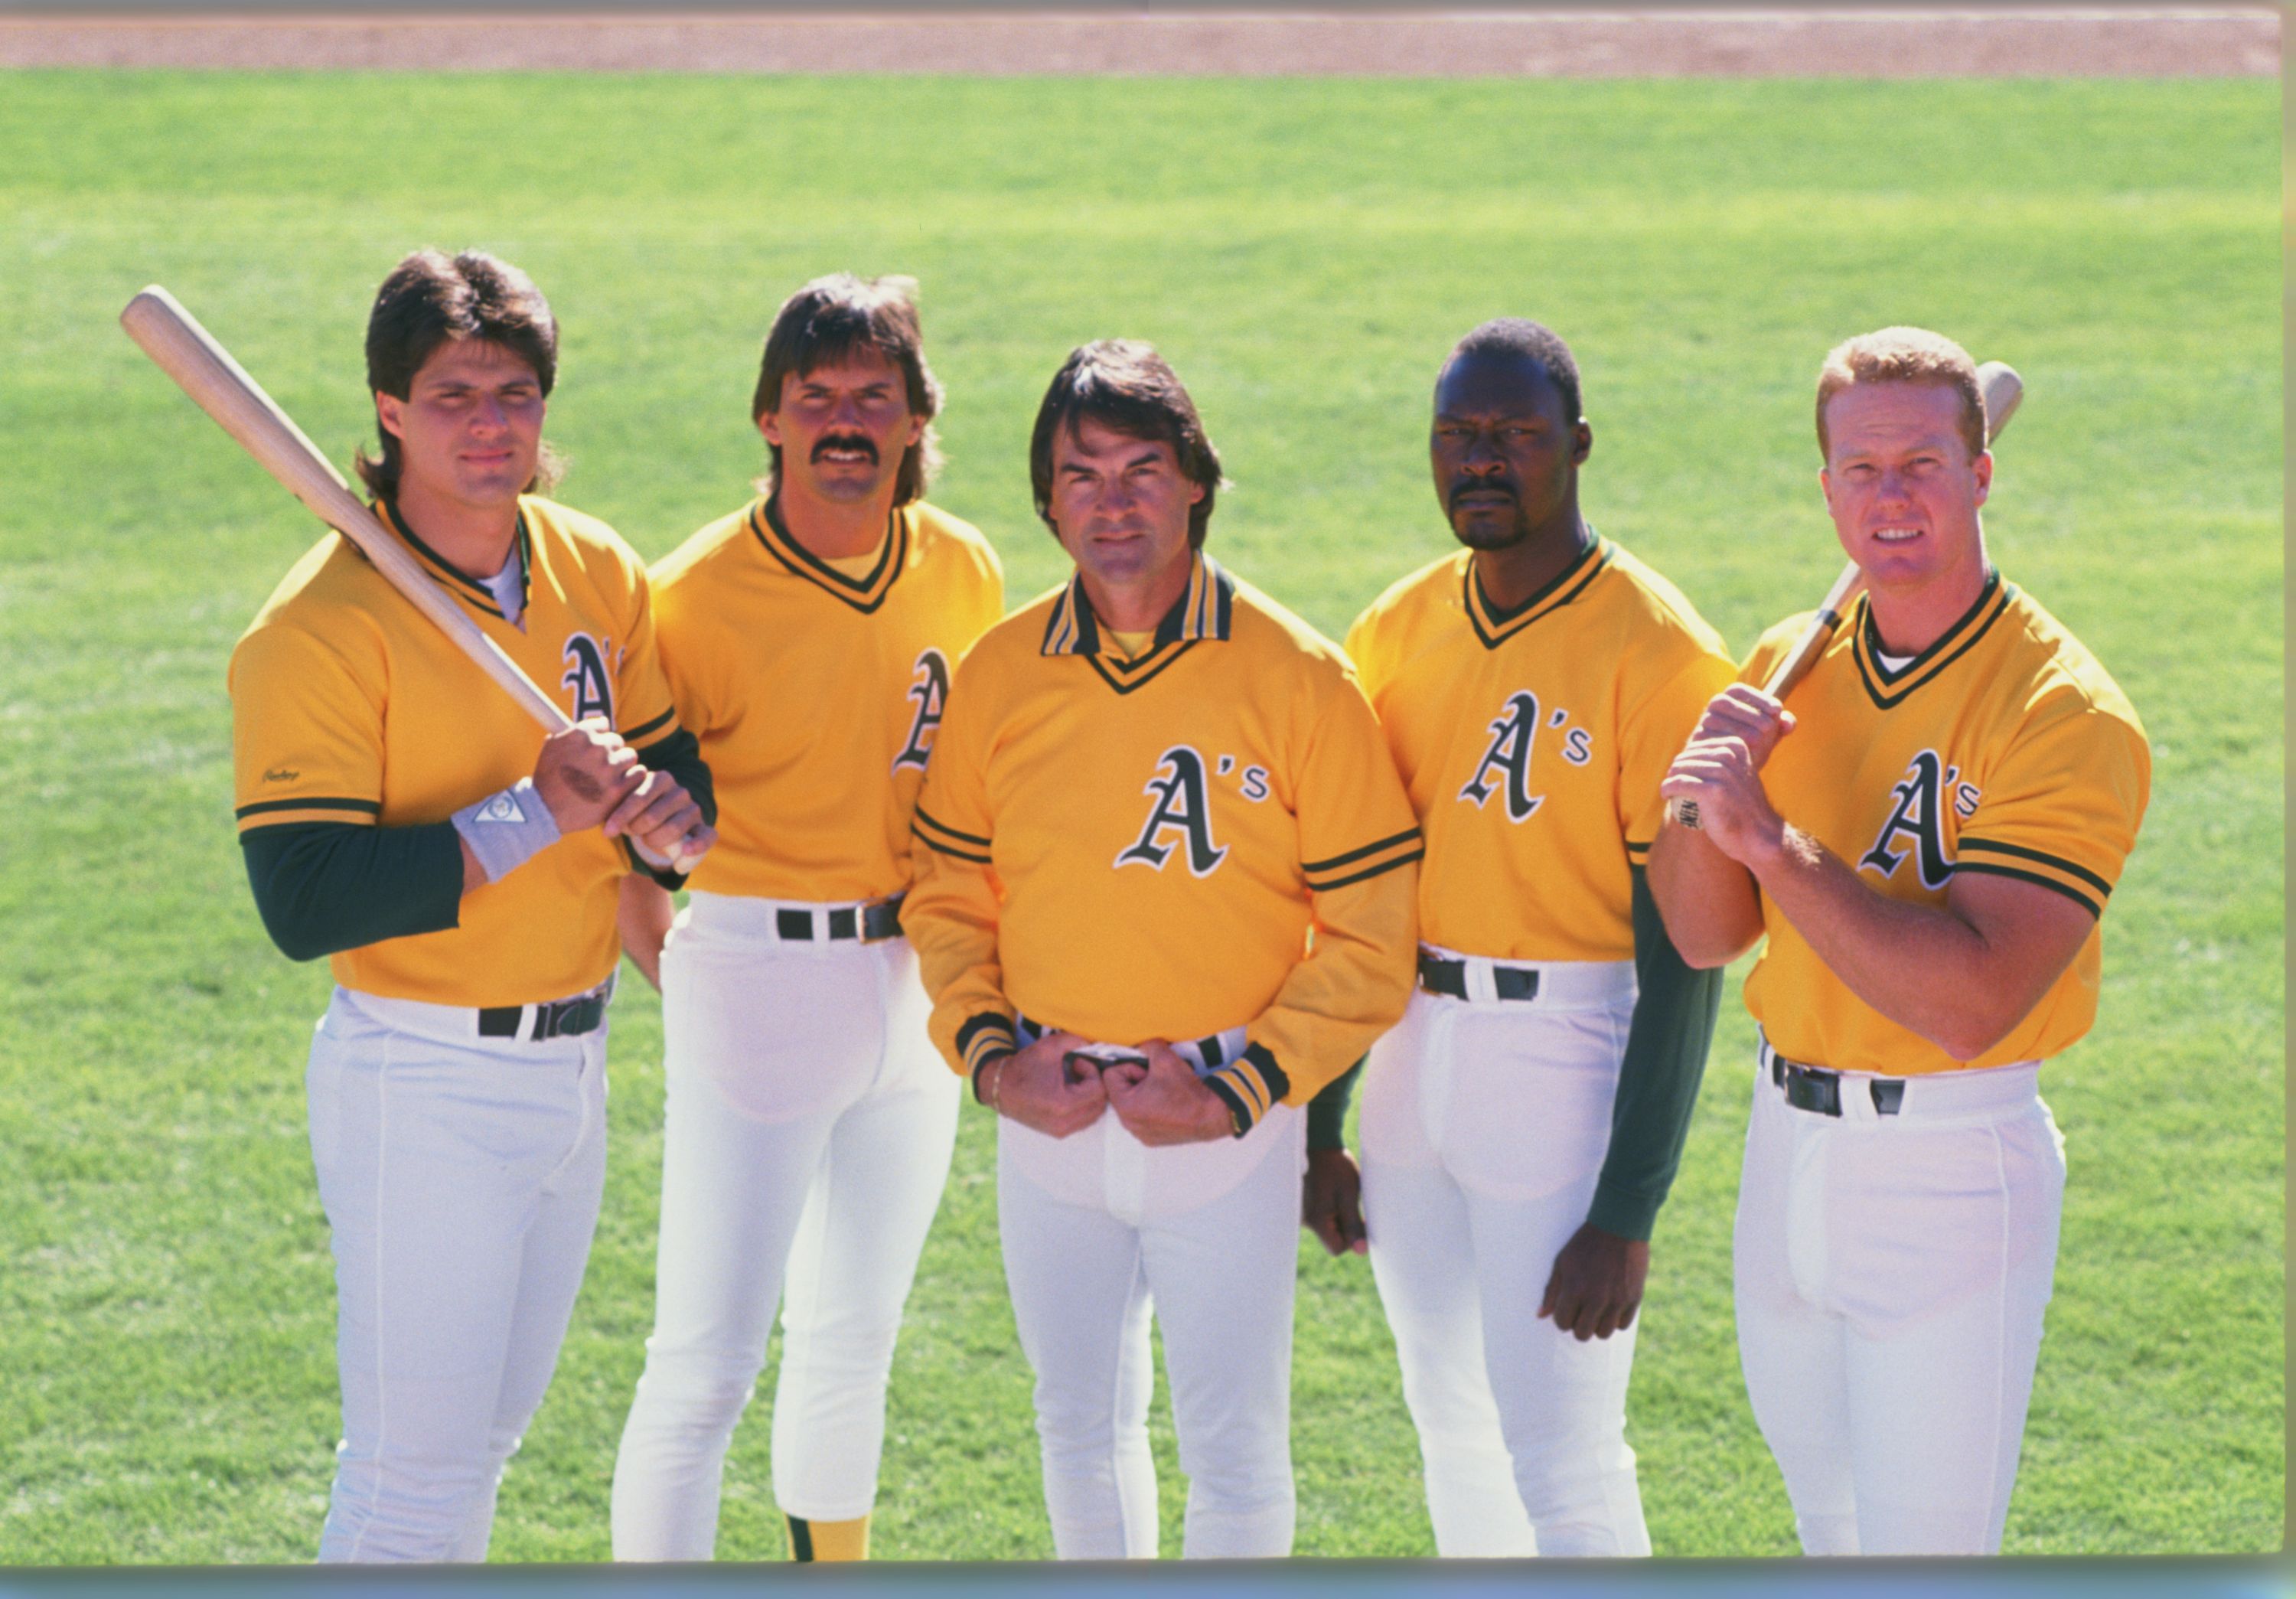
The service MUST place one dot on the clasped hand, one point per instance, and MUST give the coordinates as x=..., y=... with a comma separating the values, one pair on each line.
x=1159, y=1098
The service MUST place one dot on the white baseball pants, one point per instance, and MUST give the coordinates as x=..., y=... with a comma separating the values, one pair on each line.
x=461, y=1177
x=1485, y=1122
x=808, y=1129
x=1099, y=1233
x=1891, y=1275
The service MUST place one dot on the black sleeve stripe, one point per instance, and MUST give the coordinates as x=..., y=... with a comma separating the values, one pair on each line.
x=365, y=807
x=946, y=831
x=1239, y=1113
x=656, y=725
x=2058, y=861
x=1987, y=869
x=940, y=848
x=1342, y=882
x=1278, y=1080
x=1404, y=837
x=1637, y=850
x=987, y=1021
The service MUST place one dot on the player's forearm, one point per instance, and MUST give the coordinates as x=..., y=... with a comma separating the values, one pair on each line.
x=1327, y=1112
x=1922, y=966
x=950, y=920
x=642, y=919
x=1667, y=1046
x=1708, y=901
x=324, y=887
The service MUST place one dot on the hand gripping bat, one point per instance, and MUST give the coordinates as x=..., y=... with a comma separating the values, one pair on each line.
x=2003, y=389
x=219, y=386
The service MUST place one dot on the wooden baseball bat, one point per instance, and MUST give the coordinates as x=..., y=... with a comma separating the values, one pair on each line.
x=2004, y=391
x=219, y=386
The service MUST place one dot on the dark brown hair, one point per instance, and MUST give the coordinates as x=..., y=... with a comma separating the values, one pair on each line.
x=823, y=323
x=1124, y=385
x=428, y=298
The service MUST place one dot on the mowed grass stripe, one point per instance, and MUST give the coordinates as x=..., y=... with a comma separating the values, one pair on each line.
x=1304, y=250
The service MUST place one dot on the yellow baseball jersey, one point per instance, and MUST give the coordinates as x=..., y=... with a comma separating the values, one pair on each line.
x=2004, y=748
x=818, y=692
x=1136, y=848
x=1532, y=742
x=349, y=706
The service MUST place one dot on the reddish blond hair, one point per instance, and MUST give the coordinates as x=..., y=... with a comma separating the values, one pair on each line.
x=1904, y=355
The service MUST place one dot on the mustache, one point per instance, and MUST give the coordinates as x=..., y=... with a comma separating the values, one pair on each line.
x=845, y=441
x=1479, y=485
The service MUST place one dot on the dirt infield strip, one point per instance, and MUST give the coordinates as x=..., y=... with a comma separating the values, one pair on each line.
x=1895, y=43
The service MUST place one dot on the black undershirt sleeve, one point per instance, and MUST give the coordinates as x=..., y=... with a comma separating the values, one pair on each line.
x=322, y=887
x=680, y=755
x=1667, y=1045
x=1327, y=1112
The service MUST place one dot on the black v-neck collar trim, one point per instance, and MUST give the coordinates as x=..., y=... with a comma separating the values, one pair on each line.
x=1495, y=626
x=863, y=593
x=1205, y=611
x=458, y=582
x=1886, y=688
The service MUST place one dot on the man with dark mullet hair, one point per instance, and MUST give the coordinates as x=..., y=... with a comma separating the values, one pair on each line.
x=1152, y=784
x=808, y=638
x=402, y=815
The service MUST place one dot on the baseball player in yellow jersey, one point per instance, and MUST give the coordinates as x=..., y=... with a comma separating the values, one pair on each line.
x=1153, y=786
x=401, y=814
x=809, y=639
x=1927, y=837
x=1522, y=1127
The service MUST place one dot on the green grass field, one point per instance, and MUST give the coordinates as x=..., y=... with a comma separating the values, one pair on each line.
x=1303, y=251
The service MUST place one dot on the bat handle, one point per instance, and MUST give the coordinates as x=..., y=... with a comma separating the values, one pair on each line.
x=1684, y=813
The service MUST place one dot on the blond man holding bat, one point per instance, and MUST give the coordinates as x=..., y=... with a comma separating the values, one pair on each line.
x=458, y=863
x=1926, y=827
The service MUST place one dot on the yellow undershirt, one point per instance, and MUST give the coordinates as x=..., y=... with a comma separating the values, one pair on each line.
x=1133, y=644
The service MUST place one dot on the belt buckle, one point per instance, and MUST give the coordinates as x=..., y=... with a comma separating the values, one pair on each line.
x=881, y=920
x=1812, y=1088
x=1514, y=983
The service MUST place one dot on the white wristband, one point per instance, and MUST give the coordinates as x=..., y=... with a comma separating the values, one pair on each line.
x=508, y=829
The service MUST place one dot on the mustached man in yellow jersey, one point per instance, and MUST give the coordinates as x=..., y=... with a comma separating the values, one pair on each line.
x=402, y=815
x=1164, y=894
x=1927, y=834
x=1521, y=1127
x=809, y=639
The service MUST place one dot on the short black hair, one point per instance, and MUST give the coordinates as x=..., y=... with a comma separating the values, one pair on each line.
x=1125, y=386
x=1533, y=341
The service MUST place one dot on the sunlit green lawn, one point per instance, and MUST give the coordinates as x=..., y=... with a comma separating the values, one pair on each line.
x=1303, y=251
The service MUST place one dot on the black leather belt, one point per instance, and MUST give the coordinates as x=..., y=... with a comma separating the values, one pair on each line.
x=870, y=924
x=1815, y=1088
x=552, y=1019
x=1439, y=976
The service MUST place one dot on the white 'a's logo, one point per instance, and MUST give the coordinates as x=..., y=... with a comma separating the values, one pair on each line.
x=1917, y=813
x=930, y=692
x=588, y=676
x=1506, y=762
x=1183, y=806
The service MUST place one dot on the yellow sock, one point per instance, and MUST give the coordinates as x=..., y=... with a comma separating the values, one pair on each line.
x=828, y=1540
